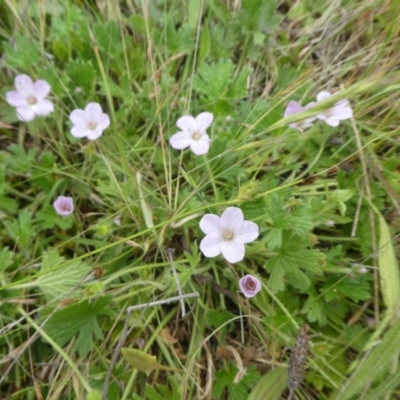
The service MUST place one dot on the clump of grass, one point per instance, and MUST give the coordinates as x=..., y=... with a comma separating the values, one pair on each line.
x=325, y=200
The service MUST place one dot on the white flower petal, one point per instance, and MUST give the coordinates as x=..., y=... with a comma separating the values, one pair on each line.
x=43, y=107
x=341, y=112
x=103, y=121
x=79, y=132
x=23, y=84
x=323, y=95
x=211, y=245
x=78, y=118
x=95, y=133
x=201, y=146
x=210, y=224
x=25, y=113
x=332, y=121
x=180, y=140
x=204, y=120
x=249, y=232
x=15, y=99
x=186, y=123
x=93, y=112
x=41, y=89
x=232, y=219
x=233, y=250
x=293, y=107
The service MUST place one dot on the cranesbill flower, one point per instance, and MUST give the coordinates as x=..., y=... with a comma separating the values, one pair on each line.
x=339, y=112
x=227, y=234
x=64, y=205
x=89, y=122
x=293, y=108
x=30, y=98
x=193, y=133
x=249, y=285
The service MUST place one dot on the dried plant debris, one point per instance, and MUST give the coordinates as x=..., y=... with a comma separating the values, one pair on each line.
x=298, y=360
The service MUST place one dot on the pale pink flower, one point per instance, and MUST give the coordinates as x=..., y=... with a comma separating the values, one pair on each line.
x=193, y=133
x=362, y=270
x=294, y=107
x=89, y=122
x=339, y=112
x=30, y=98
x=227, y=234
x=64, y=205
x=249, y=285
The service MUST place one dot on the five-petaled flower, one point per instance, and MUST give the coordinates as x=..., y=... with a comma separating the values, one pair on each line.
x=339, y=112
x=30, y=98
x=249, y=285
x=193, y=133
x=89, y=122
x=227, y=234
x=64, y=205
x=294, y=107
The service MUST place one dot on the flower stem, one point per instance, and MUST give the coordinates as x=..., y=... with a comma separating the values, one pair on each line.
x=212, y=180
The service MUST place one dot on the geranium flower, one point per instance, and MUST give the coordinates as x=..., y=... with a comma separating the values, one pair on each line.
x=227, y=234
x=293, y=108
x=89, y=122
x=30, y=98
x=64, y=205
x=339, y=112
x=249, y=285
x=193, y=133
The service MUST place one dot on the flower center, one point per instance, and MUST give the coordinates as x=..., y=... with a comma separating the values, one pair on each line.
x=31, y=100
x=227, y=235
x=92, y=125
x=250, y=284
x=65, y=207
x=196, y=135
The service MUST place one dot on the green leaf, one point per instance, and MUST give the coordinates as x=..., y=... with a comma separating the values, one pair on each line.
x=371, y=366
x=144, y=362
x=291, y=260
x=78, y=318
x=23, y=53
x=213, y=79
x=57, y=281
x=60, y=50
x=6, y=258
x=271, y=385
x=388, y=270
x=238, y=391
x=216, y=318
x=82, y=74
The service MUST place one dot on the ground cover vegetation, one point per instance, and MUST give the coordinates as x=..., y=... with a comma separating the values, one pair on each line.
x=199, y=199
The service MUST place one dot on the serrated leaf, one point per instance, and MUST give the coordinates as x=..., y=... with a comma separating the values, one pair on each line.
x=216, y=318
x=71, y=320
x=212, y=80
x=144, y=362
x=56, y=281
x=6, y=258
x=291, y=260
x=238, y=391
x=23, y=53
x=271, y=385
x=82, y=74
